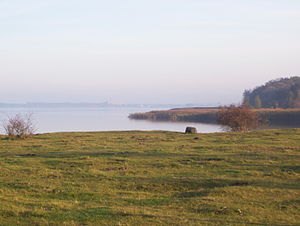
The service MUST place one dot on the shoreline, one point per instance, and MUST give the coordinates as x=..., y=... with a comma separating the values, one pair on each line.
x=275, y=117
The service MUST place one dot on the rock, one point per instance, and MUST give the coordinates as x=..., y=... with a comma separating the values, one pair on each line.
x=190, y=130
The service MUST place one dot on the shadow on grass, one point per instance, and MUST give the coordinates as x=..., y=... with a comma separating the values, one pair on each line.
x=192, y=194
x=290, y=168
x=149, y=202
x=85, y=215
x=192, y=186
x=100, y=153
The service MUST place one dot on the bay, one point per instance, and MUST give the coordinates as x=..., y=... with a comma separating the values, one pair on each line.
x=98, y=119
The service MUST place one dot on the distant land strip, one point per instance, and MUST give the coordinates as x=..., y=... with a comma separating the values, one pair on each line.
x=274, y=117
x=86, y=105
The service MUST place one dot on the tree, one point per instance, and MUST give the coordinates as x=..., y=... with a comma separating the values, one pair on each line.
x=279, y=93
x=290, y=98
x=257, y=102
x=19, y=126
x=238, y=118
x=246, y=99
x=275, y=104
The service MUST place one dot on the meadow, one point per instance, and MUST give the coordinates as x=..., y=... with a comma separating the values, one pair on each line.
x=151, y=178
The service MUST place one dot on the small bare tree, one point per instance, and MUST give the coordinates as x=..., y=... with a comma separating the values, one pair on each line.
x=238, y=118
x=19, y=126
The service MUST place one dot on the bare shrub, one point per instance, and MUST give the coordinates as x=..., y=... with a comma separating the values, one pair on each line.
x=238, y=118
x=19, y=126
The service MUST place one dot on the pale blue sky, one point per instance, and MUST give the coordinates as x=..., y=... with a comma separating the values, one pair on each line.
x=142, y=51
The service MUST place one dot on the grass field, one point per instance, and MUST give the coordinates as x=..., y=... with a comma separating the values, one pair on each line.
x=151, y=178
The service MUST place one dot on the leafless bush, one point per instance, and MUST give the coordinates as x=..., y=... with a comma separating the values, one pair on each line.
x=238, y=118
x=19, y=126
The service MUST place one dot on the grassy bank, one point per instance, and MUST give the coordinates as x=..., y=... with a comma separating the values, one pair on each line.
x=151, y=178
x=275, y=117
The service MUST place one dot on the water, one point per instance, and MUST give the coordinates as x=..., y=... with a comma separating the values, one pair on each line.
x=97, y=119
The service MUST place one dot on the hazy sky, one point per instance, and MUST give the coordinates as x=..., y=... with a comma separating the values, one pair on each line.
x=145, y=51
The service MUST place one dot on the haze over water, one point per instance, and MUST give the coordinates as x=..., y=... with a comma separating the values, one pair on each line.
x=140, y=51
x=98, y=119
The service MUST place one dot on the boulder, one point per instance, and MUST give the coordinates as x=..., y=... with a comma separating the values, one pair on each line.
x=190, y=130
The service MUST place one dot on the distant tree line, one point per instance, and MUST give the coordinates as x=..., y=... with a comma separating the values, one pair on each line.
x=279, y=93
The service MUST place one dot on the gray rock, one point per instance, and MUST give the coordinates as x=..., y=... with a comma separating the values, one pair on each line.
x=190, y=130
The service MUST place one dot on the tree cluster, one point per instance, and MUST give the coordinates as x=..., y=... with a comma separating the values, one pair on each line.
x=280, y=93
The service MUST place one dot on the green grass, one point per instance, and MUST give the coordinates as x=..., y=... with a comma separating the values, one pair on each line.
x=151, y=178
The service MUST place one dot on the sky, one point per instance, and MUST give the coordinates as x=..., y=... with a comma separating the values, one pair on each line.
x=142, y=51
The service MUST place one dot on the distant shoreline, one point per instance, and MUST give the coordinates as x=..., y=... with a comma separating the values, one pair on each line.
x=90, y=105
x=275, y=117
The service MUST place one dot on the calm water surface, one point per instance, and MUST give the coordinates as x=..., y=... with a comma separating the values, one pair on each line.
x=97, y=119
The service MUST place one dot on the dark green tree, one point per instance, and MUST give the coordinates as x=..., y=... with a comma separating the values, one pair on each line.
x=279, y=93
x=246, y=100
x=290, y=98
x=257, y=102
